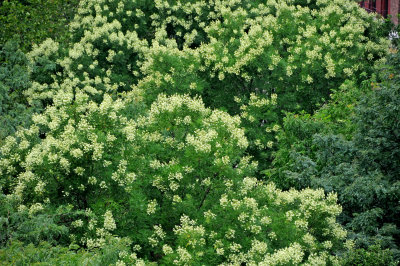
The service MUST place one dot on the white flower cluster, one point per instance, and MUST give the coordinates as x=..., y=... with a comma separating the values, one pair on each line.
x=109, y=223
x=256, y=218
x=179, y=148
x=151, y=207
x=192, y=233
x=157, y=236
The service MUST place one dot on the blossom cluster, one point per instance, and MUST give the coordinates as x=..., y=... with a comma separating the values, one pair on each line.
x=260, y=225
x=131, y=133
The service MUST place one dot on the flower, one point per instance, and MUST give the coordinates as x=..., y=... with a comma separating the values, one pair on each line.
x=109, y=223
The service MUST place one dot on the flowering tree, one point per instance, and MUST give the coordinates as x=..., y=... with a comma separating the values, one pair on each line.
x=157, y=178
x=126, y=138
x=222, y=51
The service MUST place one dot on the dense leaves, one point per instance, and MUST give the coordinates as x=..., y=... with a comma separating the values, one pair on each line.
x=14, y=80
x=363, y=169
x=32, y=21
x=200, y=132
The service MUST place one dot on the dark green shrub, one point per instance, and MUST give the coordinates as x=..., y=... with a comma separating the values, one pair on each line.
x=373, y=256
x=35, y=20
x=378, y=134
x=16, y=253
x=295, y=141
x=17, y=223
x=15, y=111
x=360, y=161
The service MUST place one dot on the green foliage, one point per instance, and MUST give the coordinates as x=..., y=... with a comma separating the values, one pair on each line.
x=296, y=143
x=363, y=168
x=260, y=120
x=18, y=254
x=14, y=80
x=374, y=255
x=152, y=120
x=46, y=254
x=274, y=48
x=379, y=129
x=216, y=50
x=391, y=30
x=154, y=176
x=18, y=224
x=35, y=20
x=236, y=222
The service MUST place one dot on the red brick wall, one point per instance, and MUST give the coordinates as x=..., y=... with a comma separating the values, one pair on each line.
x=394, y=10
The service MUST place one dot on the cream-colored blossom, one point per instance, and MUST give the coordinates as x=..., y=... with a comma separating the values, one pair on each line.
x=109, y=223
